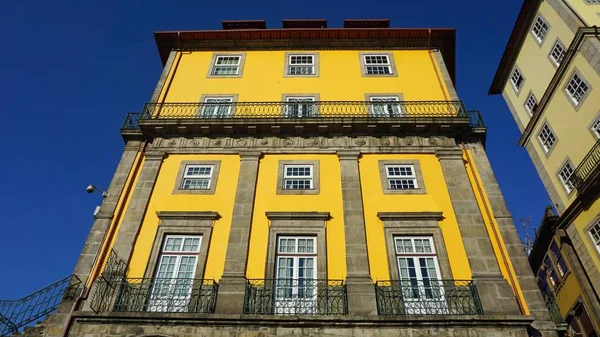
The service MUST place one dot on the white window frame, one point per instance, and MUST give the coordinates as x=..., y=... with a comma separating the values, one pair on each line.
x=217, y=109
x=419, y=290
x=216, y=65
x=594, y=233
x=296, y=106
x=171, y=293
x=566, y=177
x=547, y=138
x=290, y=295
x=595, y=127
x=196, y=177
x=577, y=88
x=287, y=177
x=514, y=79
x=370, y=67
x=380, y=107
x=310, y=65
x=592, y=2
x=530, y=103
x=400, y=177
x=557, y=56
x=542, y=32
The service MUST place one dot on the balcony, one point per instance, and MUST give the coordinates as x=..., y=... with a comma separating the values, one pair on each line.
x=586, y=174
x=295, y=297
x=160, y=295
x=308, y=117
x=427, y=297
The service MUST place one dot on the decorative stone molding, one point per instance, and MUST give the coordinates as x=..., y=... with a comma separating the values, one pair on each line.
x=297, y=215
x=207, y=215
x=391, y=216
x=449, y=154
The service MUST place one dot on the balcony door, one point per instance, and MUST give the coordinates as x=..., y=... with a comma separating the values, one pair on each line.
x=216, y=107
x=172, y=285
x=296, y=271
x=385, y=106
x=298, y=107
x=418, y=268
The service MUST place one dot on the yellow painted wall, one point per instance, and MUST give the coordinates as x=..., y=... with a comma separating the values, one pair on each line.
x=581, y=223
x=571, y=127
x=328, y=200
x=568, y=294
x=339, y=78
x=590, y=13
x=534, y=63
x=163, y=199
x=437, y=199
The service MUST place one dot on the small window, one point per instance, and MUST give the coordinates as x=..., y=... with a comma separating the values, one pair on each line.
x=216, y=107
x=565, y=175
x=557, y=54
x=577, y=89
x=530, y=103
x=550, y=272
x=301, y=65
x=561, y=265
x=540, y=29
x=595, y=234
x=401, y=177
x=197, y=177
x=298, y=107
x=596, y=127
x=547, y=138
x=517, y=79
x=298, y=177
x=385, y=106
x=377, y=65
x=226, y=65
x=592, y=2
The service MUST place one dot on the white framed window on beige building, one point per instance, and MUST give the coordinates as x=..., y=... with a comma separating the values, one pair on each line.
x=565, y=175
x=595, y=126
x=197, y=177
x=594, y=232
x=301, y=64
x=577, y=89
x=401, y=177
x=592, y=2
x=227, y=65
x=547, y=138
x=298, y=177
x=540, y=28
x=377, y=64
x=517, y=80
x=557, y=53
x=530, y=103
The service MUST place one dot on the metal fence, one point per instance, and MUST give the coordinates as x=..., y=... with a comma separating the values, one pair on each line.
x=106, y=286
x=553, y=308
x=15, y=314
x=587, y=166
x=131, y=121
x=165, y=295
x=295, y=297
x=304, y=109
x=427, y=297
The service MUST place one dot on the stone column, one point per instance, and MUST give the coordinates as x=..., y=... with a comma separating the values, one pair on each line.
x=103, y=218
x=233, y=282
x=494, y=291
x=361, y=292
x=134, y=215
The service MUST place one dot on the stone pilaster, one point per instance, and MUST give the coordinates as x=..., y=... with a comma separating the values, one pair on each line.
x=494, y=291
x=103, y=218
x=134, y=215
x=232, y=284
x=361, y=292
x=514, y=246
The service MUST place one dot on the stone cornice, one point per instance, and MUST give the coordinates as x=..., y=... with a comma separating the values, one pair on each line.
x=400, y=216
x=188, y=215
x=454, y=153
x=297, y=215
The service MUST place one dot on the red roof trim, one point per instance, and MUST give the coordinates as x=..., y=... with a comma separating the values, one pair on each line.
x=244, y=24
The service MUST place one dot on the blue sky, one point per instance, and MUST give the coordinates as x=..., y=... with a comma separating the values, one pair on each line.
x=71, y=70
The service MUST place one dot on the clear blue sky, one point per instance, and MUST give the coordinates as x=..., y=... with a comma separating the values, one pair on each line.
x=71, y=70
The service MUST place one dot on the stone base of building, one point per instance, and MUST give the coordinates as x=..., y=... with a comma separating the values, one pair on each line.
x=86, y=324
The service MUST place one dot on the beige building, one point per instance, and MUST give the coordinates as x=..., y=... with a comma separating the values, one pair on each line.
x=549, y=76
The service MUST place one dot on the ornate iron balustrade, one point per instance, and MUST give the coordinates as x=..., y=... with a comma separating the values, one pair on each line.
x=476, y=118
x=316, y=109
x=164, y=295
x=427, y=297
x=295, y=297
x=15, y=314
x=587, y=167
x=131, y=121
x=553, y=308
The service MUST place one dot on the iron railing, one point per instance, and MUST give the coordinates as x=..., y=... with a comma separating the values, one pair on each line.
x=131, y=121
x=553, y=308
x=587, y=166
x=476, y=118
x=295, y=297
x=165, y=295
x=427, y=297
x=106, y=286
x=15, y=314
x=304, y=109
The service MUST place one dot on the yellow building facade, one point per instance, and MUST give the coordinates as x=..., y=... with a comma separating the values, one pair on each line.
x=305, y=181
x=547, y=76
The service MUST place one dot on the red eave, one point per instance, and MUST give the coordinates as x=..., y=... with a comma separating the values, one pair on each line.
x=513, y=46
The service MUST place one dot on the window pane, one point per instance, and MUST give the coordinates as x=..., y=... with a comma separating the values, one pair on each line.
x=565, y=176
x=191, y=244
x=166, y=266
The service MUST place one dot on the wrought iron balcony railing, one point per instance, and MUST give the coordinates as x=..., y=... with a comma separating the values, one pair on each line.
x=427, y=297
x=305, y=109
x=553, y=308
x=295, y=297
x=162, y=295
x=15, y=314
x=587, y=167
x=131, y=121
